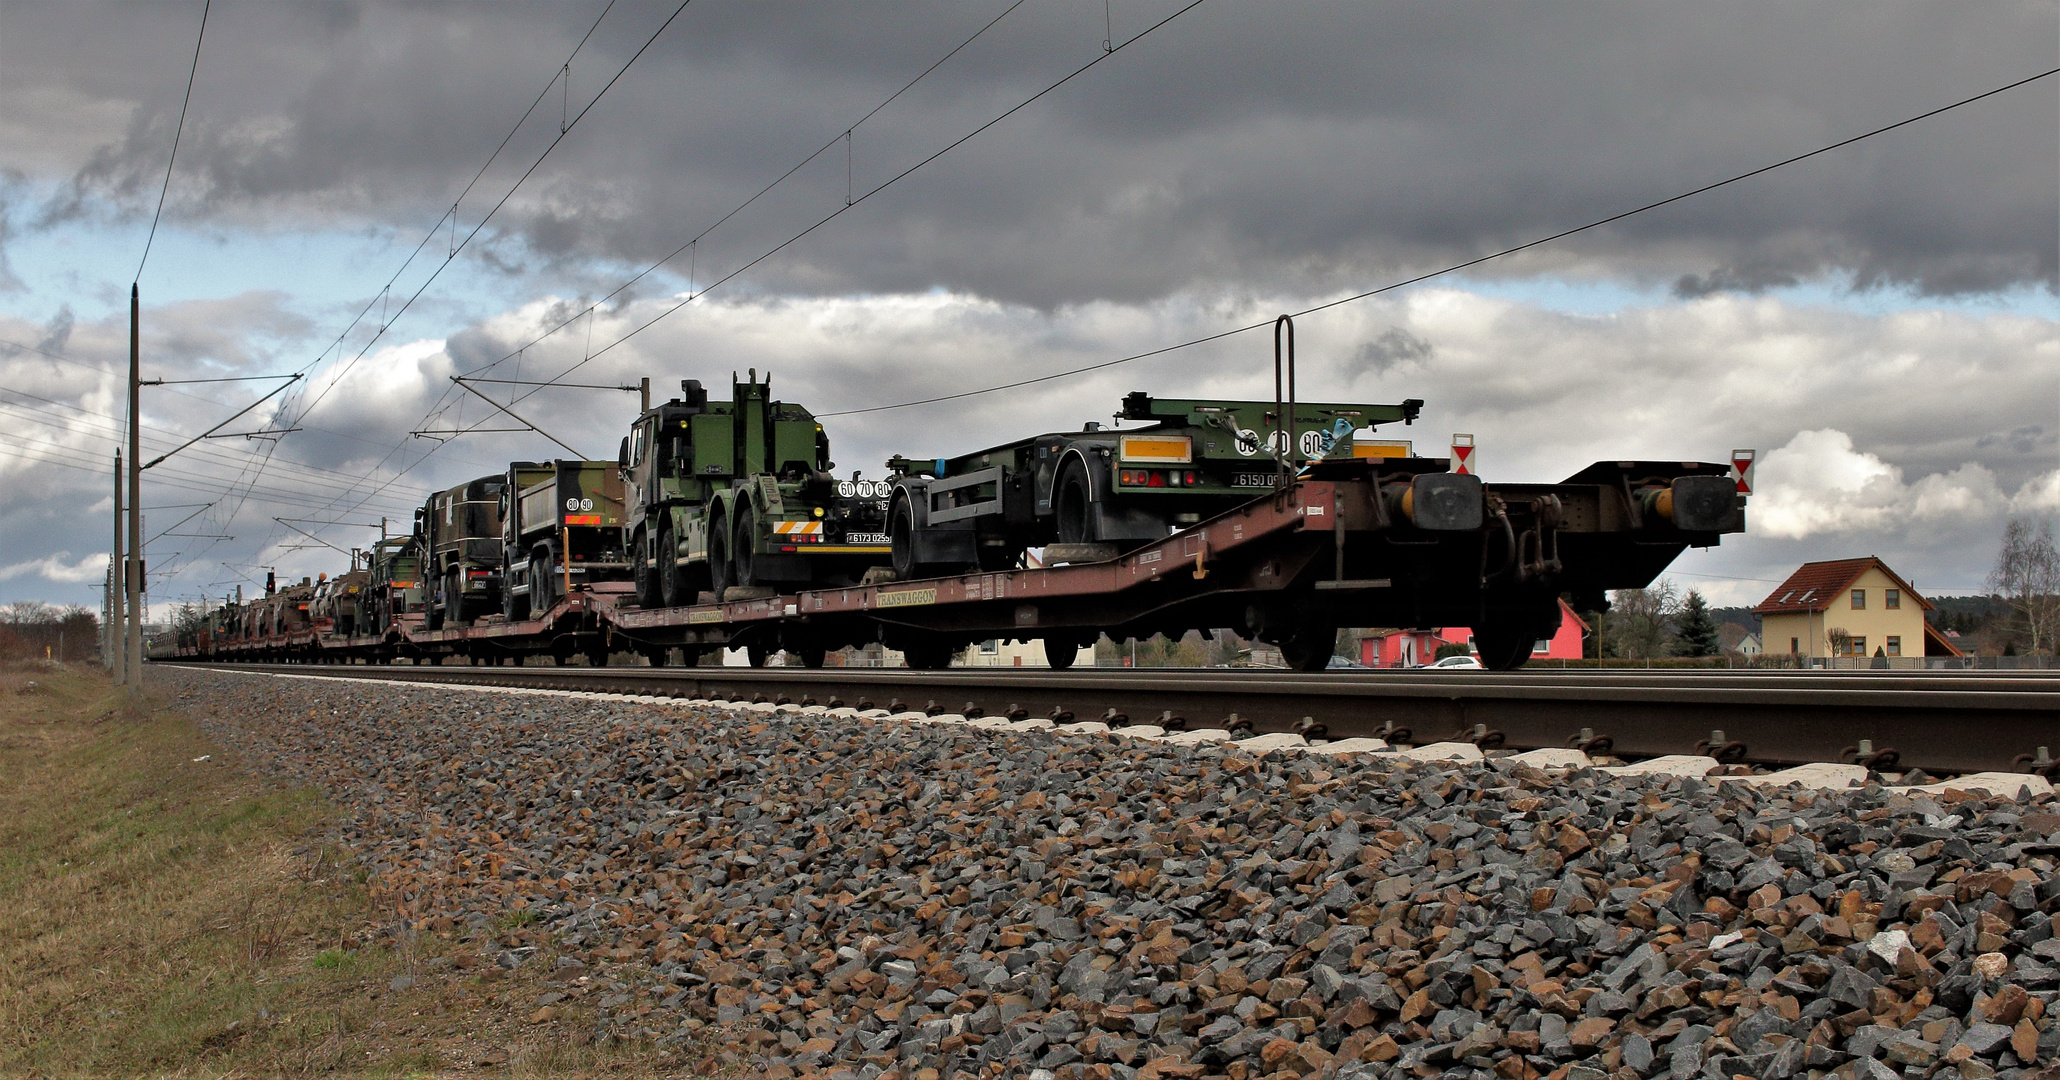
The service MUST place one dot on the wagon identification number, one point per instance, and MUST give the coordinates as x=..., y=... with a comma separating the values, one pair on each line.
x=1254, y=479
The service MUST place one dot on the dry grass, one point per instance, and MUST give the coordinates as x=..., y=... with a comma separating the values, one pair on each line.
x=167, y=916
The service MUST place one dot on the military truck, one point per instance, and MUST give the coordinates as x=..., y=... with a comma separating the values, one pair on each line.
x=337, y=599
x=394, y=584
x=1096, y=493
x=739, y=494
x=561, y=529
x=462, y=551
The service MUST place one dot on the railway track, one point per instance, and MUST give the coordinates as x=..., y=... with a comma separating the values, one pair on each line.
x=1941, y=722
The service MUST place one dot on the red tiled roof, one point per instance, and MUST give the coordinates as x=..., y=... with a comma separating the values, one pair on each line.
x=1814, y=585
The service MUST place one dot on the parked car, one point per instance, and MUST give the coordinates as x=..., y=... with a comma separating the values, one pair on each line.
x=1457, y=663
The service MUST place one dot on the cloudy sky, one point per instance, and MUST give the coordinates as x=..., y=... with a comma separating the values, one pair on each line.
x=1880, y=322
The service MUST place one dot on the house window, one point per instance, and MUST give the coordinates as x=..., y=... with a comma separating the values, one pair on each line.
x=1859, y=599
x=1895, y=645
x=1795, y=645
x=1892, y=599
x=990, y=647
x=1541, y=646
x=1858, y=647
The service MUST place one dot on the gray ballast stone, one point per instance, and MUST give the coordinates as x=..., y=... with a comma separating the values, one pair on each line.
x=816, y=894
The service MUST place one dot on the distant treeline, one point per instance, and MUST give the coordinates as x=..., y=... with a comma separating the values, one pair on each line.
x=30, y=627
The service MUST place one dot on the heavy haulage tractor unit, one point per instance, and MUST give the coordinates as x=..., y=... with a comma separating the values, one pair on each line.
x=739, y=495
x=394, y=584
x=562, y=530
x=1432, y=547
x=1096, y=493
x=462, y=551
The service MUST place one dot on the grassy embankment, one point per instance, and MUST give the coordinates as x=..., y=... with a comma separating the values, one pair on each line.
x=170, y=916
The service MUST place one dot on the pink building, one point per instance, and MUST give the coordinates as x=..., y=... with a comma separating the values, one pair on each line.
x=1392, y=648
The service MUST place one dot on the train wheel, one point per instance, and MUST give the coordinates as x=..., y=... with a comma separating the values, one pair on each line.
x=1073, y=505
x=1505, y=639
x=929, y=655
x=812, y=656
x=1060, y=650
x=1310, y=648
x=756, y=655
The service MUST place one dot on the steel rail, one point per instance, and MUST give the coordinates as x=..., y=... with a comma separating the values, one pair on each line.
x=1944, y=723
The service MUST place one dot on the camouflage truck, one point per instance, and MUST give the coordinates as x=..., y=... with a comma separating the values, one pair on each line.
x=740, y=494
x=561, y=530
x=462, y=549
x=393, y=586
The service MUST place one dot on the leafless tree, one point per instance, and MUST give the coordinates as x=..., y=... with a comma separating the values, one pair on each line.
x=1639, y=625
x=2027, y=574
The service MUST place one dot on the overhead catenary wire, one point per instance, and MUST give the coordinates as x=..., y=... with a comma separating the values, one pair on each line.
x=1420, y=278
x=890, y=182
x=177, y=132
x=690, y=246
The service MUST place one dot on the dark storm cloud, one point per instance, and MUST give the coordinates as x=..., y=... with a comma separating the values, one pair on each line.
x=1307, y=146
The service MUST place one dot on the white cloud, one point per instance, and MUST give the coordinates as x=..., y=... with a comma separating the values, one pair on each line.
x=1819, y=484
x=53, y=567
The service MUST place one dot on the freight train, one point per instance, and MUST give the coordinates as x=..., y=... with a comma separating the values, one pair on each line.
x=720, y=525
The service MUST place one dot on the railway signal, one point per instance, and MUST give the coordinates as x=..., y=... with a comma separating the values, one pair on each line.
x=1741, y=470
x=1462, y=454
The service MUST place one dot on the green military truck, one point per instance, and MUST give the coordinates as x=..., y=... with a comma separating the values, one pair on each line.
x=462, y=542
x=738, y=493
x=395, y=585
x=561, y=528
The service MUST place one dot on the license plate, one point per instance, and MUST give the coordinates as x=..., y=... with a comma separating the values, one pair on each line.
x=865, y=538
x=1255, y=480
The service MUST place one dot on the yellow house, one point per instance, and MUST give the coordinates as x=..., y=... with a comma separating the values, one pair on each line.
x=1848, y=608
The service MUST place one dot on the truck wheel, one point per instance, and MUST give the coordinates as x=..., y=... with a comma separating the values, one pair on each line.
x=901, y=537
x=1072, y=506
x=743, y=546
x=455, y=610
x=542, y=576
x=432, y=613
x=668, y=572
x=647, y=569
x=719, y=555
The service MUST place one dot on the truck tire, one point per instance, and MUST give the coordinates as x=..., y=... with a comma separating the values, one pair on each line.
x=668, y=572
x=542, y=596
x=457, y=610
x=648, y=567
x=744, y=548
x=1073, y=505
x=432, y=612
x=719, y=554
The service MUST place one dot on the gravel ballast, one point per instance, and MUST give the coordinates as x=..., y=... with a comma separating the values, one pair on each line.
x=831, y=895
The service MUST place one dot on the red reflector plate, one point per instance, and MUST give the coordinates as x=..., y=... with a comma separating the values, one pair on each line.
x=582, y=519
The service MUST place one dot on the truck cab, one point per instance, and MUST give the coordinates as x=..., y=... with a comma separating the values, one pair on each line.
x=463, y=549
x=561, y=530
x=739, y=493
